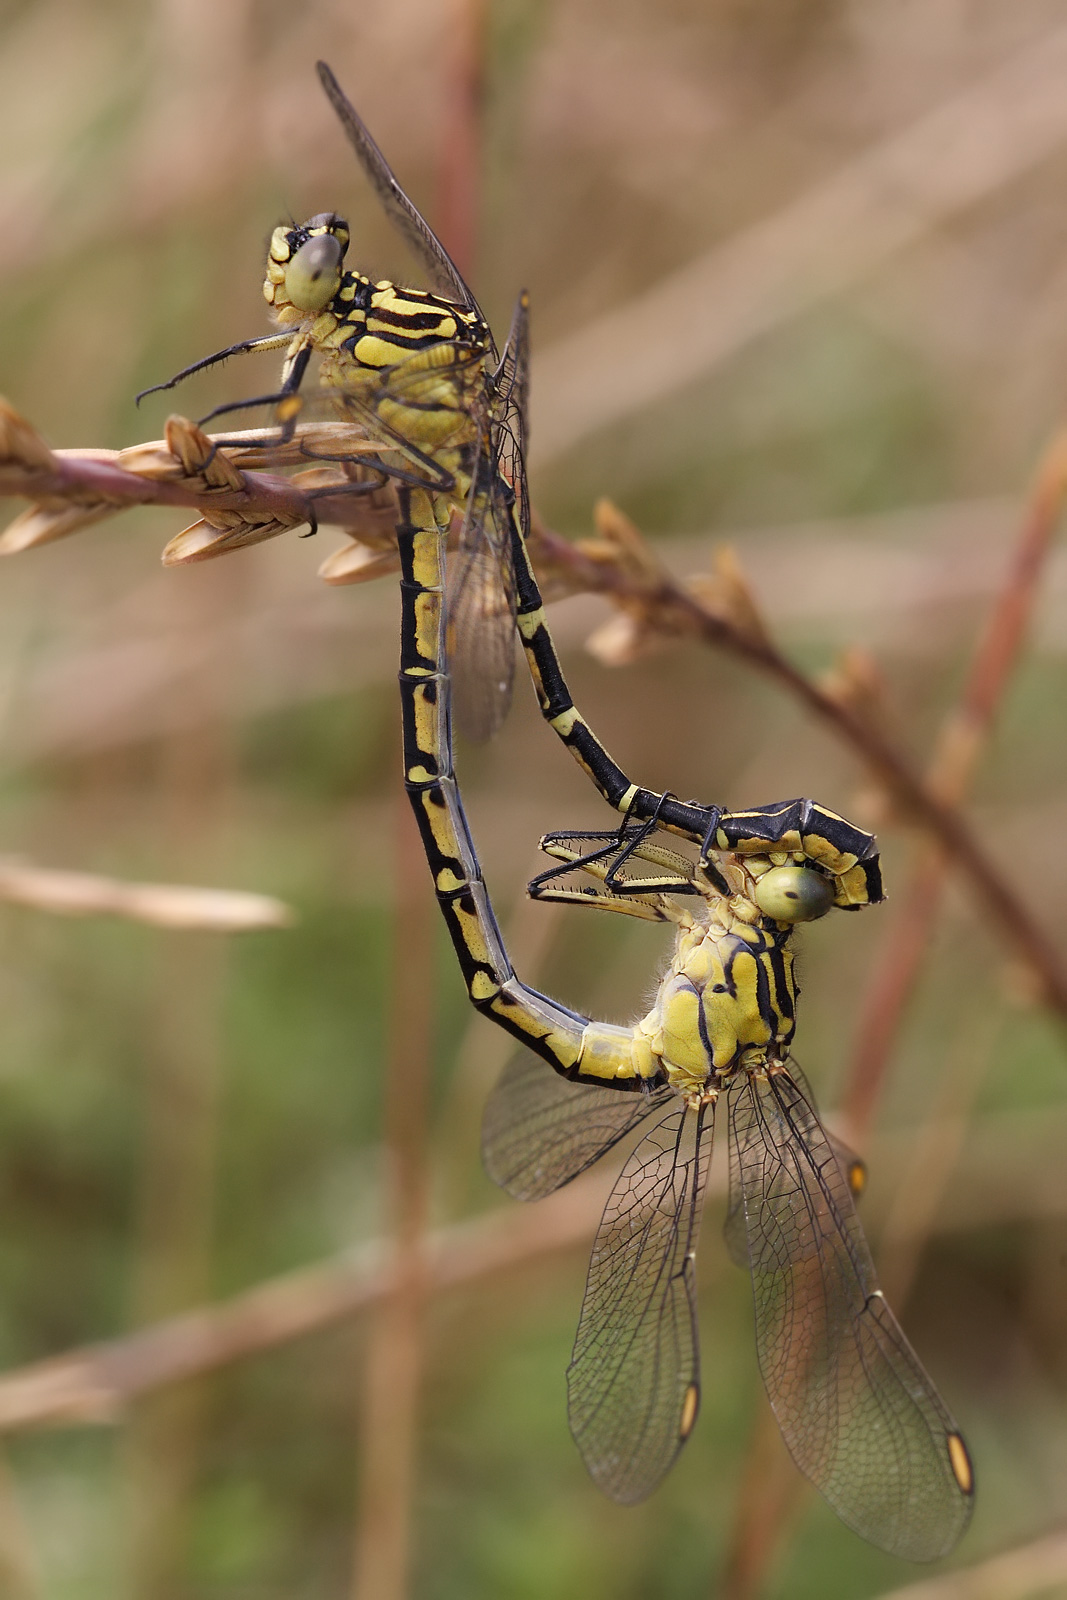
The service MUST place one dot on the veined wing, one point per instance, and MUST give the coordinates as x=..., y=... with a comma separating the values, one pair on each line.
x=481, y=604
x=481, y=611
x=540, y=1130
x=852, y=1166
x=633, y=1382
x=421, y=414
x=858, y=1413
x=398, y=208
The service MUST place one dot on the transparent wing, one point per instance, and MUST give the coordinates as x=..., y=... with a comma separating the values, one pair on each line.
x=481, y=612
x=511, y=388
x=481, y=606
x=859, y=1415
x=853, y=1168
x=540, y=1130
x=633, y=1382
x=424, y=414
x=734, y=1231
x=398, y=208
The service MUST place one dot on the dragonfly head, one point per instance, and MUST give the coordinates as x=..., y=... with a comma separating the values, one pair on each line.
x=767, y=889
x=304, y=267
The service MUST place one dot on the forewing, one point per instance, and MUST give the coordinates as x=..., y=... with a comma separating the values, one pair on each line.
x=633, y=1382
x=398, y=208
x=481, y=614
x=540, y=1130
x=428, y=397
x=481, y=604
x=511, y=411
x=733, y=1229
x=859, y=1415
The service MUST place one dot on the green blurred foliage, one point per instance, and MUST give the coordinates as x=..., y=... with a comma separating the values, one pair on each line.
x=149, y=151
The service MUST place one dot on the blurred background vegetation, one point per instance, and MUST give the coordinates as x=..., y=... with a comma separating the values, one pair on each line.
x=183, y=1115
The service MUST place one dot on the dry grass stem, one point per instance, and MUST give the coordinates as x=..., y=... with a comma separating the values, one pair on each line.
x=389, y=1424
x=176, y=1186
x=617, y=564
x=1033, y=1569
x=770, y=1494
x=72, y=489
x=97, y=1383
x=161, y=905
x=19, y=1575
x=94, y=1384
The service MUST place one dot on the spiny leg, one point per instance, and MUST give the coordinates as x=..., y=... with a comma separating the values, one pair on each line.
x=788, y=826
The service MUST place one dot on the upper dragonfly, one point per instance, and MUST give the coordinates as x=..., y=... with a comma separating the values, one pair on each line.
x=420, y=372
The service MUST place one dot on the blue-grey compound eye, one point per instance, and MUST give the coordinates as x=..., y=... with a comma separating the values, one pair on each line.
x=313, y=276
x=794, y=894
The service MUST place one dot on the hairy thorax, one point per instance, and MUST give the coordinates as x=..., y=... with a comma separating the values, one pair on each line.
x=727, y=1002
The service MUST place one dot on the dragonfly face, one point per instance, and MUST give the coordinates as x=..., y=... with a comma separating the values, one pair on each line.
x=304, y=267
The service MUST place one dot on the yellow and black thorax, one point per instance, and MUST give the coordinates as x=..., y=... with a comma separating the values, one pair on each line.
x=350, y=320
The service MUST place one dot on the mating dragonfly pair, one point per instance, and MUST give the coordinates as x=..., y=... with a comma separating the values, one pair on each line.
x=418, y=372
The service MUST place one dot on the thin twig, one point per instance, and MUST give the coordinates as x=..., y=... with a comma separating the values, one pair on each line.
x=760, y=1524
x=95, y=1383
x=393, y=1369
x=634, y=581
x=956, y=755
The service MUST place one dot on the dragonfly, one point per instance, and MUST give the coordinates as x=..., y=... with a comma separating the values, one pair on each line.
x=859, y=1414
x=418, y=371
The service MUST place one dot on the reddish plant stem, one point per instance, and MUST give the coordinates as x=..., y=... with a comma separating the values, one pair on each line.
x=770, y=1492
x=393, y=1367
x=956, y=755
x=764, y=1507
x=458, y=174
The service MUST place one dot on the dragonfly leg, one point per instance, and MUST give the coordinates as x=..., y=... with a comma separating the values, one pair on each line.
x=845, y=851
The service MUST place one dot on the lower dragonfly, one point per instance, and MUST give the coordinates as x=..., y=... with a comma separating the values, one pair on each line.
x=859, y=1414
